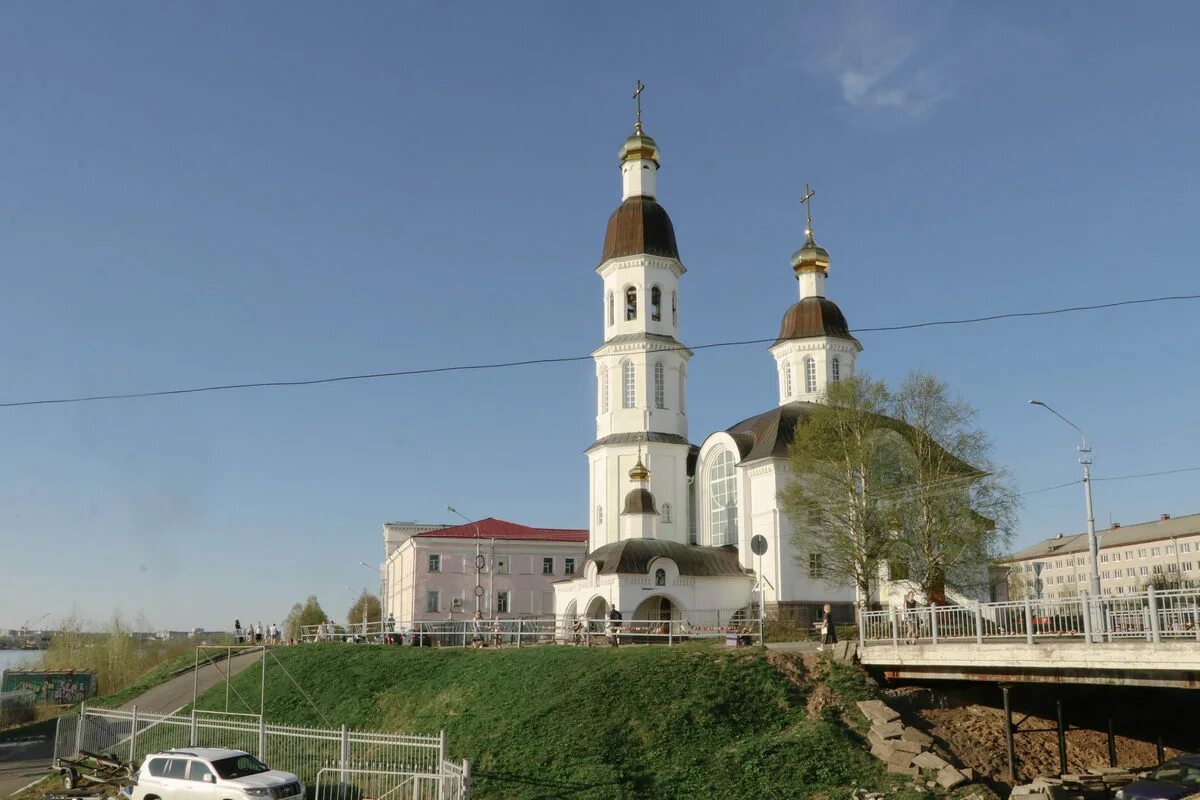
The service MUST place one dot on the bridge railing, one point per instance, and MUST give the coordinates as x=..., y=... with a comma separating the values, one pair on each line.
x=1151, y=616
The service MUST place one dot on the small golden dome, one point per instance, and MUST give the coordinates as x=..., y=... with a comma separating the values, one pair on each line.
x=639, y=471
x=639, y=145
x=810, y=258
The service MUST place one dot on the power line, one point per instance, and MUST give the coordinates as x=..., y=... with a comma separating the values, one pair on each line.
x=1149, y=474
x=568, y=359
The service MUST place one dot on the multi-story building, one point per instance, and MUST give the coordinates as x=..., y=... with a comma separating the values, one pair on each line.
x=433, y=572
x=1131, y=557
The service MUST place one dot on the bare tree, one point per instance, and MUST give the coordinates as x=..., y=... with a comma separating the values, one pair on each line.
x=840, y=474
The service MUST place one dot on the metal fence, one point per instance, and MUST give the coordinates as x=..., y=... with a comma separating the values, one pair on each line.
x=131, y=736
x=1152, y=616
x=334, y=783
x=526, y=632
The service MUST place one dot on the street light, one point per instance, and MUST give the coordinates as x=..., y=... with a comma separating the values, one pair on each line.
x=478, y=555
x=373, y=569
x=1085, y=458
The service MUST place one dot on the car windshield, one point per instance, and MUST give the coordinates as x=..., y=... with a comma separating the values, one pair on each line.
x=1181, y=774
x=238, y=766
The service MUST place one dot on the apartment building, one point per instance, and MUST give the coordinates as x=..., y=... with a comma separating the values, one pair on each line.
x=1131, y=556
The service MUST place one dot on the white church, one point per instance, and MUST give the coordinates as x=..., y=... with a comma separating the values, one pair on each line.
x=671, y=522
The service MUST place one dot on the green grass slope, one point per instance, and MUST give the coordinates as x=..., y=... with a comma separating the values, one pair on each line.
x=549, y=722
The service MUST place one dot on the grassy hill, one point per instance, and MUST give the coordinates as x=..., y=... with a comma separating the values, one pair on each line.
x=690, y=721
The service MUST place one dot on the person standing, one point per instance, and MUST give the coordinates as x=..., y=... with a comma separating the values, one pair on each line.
x=910, y=618
x=258, y=632
x=497, y=632
x=614, y=627
x=828, y=632
x=477, y=630
x=237, y=631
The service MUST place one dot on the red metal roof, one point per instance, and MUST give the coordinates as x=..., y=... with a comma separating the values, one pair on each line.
x=492, y=528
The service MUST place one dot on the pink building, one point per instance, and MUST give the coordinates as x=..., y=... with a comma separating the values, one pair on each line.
x=431, y=572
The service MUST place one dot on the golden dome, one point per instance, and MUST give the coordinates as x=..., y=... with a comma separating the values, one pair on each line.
x=639, y=471
x=639, y=145
x=810, y=258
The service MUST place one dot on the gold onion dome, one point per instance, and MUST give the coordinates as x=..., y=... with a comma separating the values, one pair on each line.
x=811, y=257
x=639, y=471
x=640, y=145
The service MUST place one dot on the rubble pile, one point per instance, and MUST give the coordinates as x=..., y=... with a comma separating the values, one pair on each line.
x=910, y=751
x=1099, y=783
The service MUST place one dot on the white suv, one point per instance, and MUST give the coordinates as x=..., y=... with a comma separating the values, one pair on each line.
x=212, y=773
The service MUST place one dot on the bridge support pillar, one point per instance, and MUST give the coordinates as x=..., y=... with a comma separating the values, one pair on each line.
x=1008, y=737
x=1159, y=747
x=1112, y=743
x=1062, y=740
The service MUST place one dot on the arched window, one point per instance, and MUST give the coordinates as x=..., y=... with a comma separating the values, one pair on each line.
x=628, y=395
x=660, y=577
x=599, y=515
x=664, y=513
x=674, y=311
x=787, y=379
x=723, y=499
x=610, y=307
x=810, y=375
x=682, y=390
x=630, y=303
x=835, y=370
x=660, y=388
x=656, y=304
x=604, y=390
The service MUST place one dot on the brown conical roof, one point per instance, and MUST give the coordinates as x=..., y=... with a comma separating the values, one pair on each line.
x=639, y=501
x=814, y=317
x=639, y=225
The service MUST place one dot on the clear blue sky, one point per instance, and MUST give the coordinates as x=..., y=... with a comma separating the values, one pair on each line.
x=226, y=192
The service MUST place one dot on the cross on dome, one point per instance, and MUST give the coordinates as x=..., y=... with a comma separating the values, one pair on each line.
x=806, y=201
x=637, y=95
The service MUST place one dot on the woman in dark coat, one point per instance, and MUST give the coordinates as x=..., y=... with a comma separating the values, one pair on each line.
x=828, y=633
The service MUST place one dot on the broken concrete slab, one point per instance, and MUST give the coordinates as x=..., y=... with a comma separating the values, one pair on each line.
x=950, y=778
x=882, y=751
x=928, y=761
x=889, y=730
x=917, y=735
x=878, y=711
x=906, y=746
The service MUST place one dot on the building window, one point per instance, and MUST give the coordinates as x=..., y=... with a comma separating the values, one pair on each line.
x=610, y=307
x=433, y=600
x=604, y=390
x=664, y=514
x=568, y=566
x=1155, y=551
x=1143, y=571
x=655, y=304
x=630, y=303
x=1104, y=558
x=660, y=388
x=1141, y=552
x=787, y=379
x=1172, y=567
x=1130, y=572
x=628, y=392
x=814, y=565
x=548, y=566
x=502, y=565
x=599, y=515
x=1185, y=547
x=660, y=577
x=1071, y=562
x=835, y=370
x=674, y=311
x=501, y=602
x=723, y=499
x=435, y=562
x=1158, y=569
x=810, y=375
x=1187, y=566
x=1116, y=556
x=1170, y=549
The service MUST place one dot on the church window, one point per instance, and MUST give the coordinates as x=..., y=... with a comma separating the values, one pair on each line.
x=665, y=514
x=630, y=303
x=810, y=375
x=674, y=311
x=599, y=515
x=604, y=390
x=835, y=370
x=628, y=395
x=610, y=307
x=656, y=304
x=723, y=499
x=660, y=577
x=660, y=388
x=787, y=379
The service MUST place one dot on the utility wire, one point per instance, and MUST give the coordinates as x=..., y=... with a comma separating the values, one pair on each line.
x=567, y=359
x=1149, y=474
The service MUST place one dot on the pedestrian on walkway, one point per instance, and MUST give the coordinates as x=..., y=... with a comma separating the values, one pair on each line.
x=614, y=627
x=477, y=630
x=828, y=632
x=258, y=633
x=237, y=631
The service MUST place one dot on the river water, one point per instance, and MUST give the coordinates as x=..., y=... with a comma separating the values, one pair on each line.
x=16, y=659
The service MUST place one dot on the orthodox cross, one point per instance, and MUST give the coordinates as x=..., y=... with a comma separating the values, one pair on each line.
x=637, y=95
x=806, y=201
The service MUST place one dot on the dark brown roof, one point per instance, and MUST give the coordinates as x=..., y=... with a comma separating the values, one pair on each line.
x=639, y=225
x=639, y=501
x=770, y=434
x=633, y=557
x=636, y=437
x=812, y=317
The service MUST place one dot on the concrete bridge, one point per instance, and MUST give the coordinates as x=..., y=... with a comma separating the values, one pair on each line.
x=1149, y=639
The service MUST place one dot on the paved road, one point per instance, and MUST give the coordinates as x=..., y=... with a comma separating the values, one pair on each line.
x=23, y=762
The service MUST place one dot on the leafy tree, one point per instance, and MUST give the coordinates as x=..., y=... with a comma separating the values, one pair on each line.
x=367, y=601
x=841, y=469
x=953, y=511
x=302, y=616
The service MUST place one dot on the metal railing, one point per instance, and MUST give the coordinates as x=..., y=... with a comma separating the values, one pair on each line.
x=525, y=632
x=1152, y=615
x=131, y=736
x=335, y=783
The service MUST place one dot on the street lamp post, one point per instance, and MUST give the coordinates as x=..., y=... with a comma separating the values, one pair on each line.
x=478, y=555
x=380, y=571
x=1085, y=458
